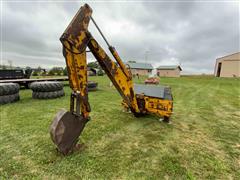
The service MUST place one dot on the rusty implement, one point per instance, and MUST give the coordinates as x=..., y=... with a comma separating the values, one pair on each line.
x=140, y=100
x=65, y=130
x=67, y=126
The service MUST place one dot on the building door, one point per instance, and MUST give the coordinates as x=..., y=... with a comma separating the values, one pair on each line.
x=219, y=69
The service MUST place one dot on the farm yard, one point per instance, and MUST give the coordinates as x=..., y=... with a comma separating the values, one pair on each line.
x=202, y=142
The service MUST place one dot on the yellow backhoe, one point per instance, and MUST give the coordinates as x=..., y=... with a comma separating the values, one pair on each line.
x=139, y=99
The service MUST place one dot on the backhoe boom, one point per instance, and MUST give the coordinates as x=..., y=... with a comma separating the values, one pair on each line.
x=68, y=125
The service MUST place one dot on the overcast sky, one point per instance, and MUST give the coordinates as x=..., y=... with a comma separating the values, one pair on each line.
x=192, y=34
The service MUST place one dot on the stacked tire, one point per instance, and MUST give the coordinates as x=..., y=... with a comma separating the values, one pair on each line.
x=92, y=86
x=47, y=90
x=9, y=92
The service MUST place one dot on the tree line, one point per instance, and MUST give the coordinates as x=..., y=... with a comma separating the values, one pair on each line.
x=60, y=71
x=55, y=71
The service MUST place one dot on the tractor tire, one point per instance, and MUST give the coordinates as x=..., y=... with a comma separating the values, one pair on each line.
x=48, y=95
x=92, y=86
x=9, y=98
x=46, y=86
x=9, y=88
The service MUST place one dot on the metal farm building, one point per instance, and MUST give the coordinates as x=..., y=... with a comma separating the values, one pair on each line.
x=140, y=68
x=228, y=66
x=169, y=71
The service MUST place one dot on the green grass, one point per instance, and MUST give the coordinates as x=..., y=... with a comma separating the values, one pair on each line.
x=203, y=141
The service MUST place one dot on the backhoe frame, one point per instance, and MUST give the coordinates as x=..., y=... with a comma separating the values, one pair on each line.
x=75, y=39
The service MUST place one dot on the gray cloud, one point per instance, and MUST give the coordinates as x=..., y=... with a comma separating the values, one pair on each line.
x=192, y=34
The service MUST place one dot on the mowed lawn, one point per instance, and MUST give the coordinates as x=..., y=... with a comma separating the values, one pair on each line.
x=203, y=141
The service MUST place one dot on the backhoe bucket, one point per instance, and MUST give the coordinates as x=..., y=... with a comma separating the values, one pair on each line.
x=65, y=130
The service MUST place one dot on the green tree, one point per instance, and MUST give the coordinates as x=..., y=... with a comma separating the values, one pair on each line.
x=51, y=73
x=93, y=64
x=100, y=72
x=44, y=73
x=3, y=66
x=65, y=72
x=56, y=71
x=59, y=73
x=35, y=73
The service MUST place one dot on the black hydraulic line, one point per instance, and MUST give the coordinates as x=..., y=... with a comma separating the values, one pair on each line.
x=94, y=22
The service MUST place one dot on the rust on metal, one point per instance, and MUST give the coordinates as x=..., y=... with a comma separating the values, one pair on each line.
x=65, y=130
x=115, y=73
x=67, y=126
x=74, y=33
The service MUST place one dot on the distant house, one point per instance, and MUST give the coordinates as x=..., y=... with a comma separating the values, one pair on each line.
x=169, y=71
x=228, y=66
x=140, y=68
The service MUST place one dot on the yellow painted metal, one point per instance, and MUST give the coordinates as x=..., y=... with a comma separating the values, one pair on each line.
x=160, y=107
x=67, y=126
x=77, y=72
x=120, y=62
x=75, y=39
x=119, y=78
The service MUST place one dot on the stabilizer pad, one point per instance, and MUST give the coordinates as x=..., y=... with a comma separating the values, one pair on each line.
x=65, y=130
